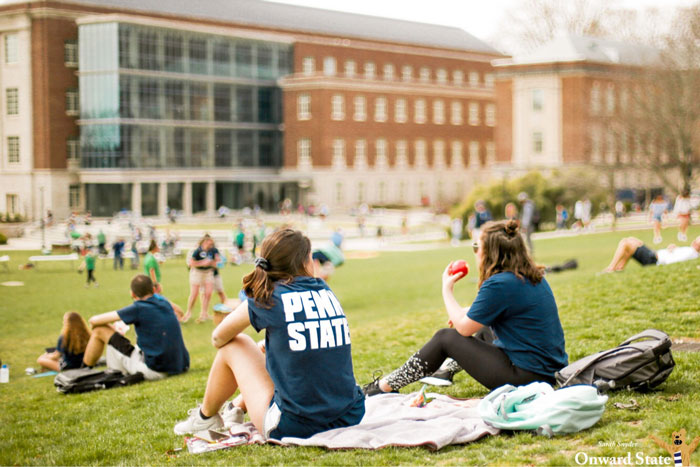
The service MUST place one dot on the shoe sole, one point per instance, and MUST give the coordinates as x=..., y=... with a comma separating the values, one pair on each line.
x=435, y=381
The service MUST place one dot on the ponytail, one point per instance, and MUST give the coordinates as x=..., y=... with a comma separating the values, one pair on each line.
x=283, y=256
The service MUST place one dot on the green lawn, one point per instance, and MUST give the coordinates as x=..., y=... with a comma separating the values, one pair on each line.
x=393, y=304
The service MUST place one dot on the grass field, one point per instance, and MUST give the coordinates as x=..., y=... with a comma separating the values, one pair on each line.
x=393, y=304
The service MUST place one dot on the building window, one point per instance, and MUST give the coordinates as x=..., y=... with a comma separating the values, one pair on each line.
x=73, y=149
x=438, y=112
x=370, y=70
x=490, y=115
x=12, y=204
x=380, y=109
x=74, y=197
x=329, y=66
x=339, y=193
x=474, y=153
x=474, y=113
x=458, y=77
x=337, y=107
x=360, y=114
x=12, y=101
x=11, y=45
x=303, y=107
x=350, y=68
x=70, y=53
x=456, y=113
x=596, y=144
x=421, y=159
x=424, y=74
x=72, y=100
x=401, y=156
x=419, y=111
x=537, y=100
x=388, y=72
x=360, y=154
x=488, y=80
x=595, y=98
x=439, y=154
x=407, y=73
x=610, y=99
x=13, y=149
x=474, y=78
x=490, y=153
x=441, y=76
x=308, y=66
x=456, y=158
x=304, y=153
x=339, y=153
x=380, y=161
x=400, y=114
x=537, y=142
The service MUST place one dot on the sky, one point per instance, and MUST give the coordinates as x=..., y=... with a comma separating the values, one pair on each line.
x=478, y=17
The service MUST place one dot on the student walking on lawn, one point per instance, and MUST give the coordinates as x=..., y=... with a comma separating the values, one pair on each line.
x=151, y=266
x=304, y=384
x=511, y=333
x=90, y=263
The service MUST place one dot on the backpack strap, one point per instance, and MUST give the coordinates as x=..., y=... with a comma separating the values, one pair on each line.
x=589, y=364
x=649, y=333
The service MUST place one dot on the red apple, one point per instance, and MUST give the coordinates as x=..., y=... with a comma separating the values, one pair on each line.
x=459, y=266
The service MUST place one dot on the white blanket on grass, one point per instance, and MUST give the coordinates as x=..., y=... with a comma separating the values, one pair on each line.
x=389, y=421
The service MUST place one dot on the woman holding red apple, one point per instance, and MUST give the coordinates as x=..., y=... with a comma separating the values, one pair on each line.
x=514, y=302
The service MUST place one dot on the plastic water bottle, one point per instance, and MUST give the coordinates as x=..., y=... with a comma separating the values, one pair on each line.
x=4, y=374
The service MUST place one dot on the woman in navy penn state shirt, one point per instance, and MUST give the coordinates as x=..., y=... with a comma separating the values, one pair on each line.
x=511, y=334
x=304, y=384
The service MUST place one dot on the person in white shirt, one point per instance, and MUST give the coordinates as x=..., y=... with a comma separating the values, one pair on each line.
x=632, y=247
x=682, y=209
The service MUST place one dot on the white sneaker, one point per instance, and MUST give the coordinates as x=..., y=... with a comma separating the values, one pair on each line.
x=232, y=415
x=682, y=237
x=658, y=240
x=195, y=423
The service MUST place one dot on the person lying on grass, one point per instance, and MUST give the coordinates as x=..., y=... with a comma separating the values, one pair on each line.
x=70, y=347
x=632, y=247
x=305, y=383
x=514, y=302
x=159, y=351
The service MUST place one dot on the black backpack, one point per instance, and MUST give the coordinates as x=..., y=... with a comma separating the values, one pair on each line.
x=88, y=379
x=641, y=362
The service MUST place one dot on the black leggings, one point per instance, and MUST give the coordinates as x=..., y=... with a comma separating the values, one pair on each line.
x=91, y=276
x=485, y=362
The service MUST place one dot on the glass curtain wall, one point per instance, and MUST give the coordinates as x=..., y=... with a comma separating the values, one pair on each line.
x=162, y=98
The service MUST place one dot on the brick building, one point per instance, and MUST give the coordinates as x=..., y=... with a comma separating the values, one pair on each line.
x=145, y=105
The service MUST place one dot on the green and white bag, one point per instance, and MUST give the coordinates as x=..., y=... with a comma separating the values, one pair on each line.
x=539, y=407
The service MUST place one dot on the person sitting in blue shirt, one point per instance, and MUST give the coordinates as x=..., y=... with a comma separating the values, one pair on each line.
x=304, y=384
x=511, y=334
x=160, y=349
x=69, y=350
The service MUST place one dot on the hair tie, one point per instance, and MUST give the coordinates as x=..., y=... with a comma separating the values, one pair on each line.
x=262, y=263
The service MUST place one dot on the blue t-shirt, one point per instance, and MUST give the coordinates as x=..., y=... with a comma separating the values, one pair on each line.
x=308, y=354
x=69, y=360
x=117, y=248
x=525, y=319
x=158, y=334
x=200, y=254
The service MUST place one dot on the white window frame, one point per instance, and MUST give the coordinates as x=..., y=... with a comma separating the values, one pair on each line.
x=439, y=112
x=400, y=110
x=488, y=80
x=456, y=151
x=490, y=115
x=338, y=146
x=490, y=153
x=421, y=147
x=439, y=161
x=337, y=107
x=441, y=76
x=308, y=66
x=474, y=159
x=360, y=154
x=537, y=142
x=73, y=149
x=13, y=150
x=350, y=68
x=537, y=97
x=70, y=53
x=360, y=113
x=370, y=70
x=329, y=66
x=11, y=43
x=74, y=197
x=595, y=98
x=474, y=79
x=304, y=107
x=304, y=153
x=424, y=74
x=419, y=114
x=458, y=77
x=401, y=154
x=72, y=102
x=380, y=109
x=12, y=101
x=12, y=204
x=388, y=72
x=380, y=152
x=474, y=119
x=406, y=73
x=456, y=117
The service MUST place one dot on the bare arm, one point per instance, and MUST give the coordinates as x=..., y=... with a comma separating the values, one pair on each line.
x=231, y=326
x=104, y=318
x=458, y=315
